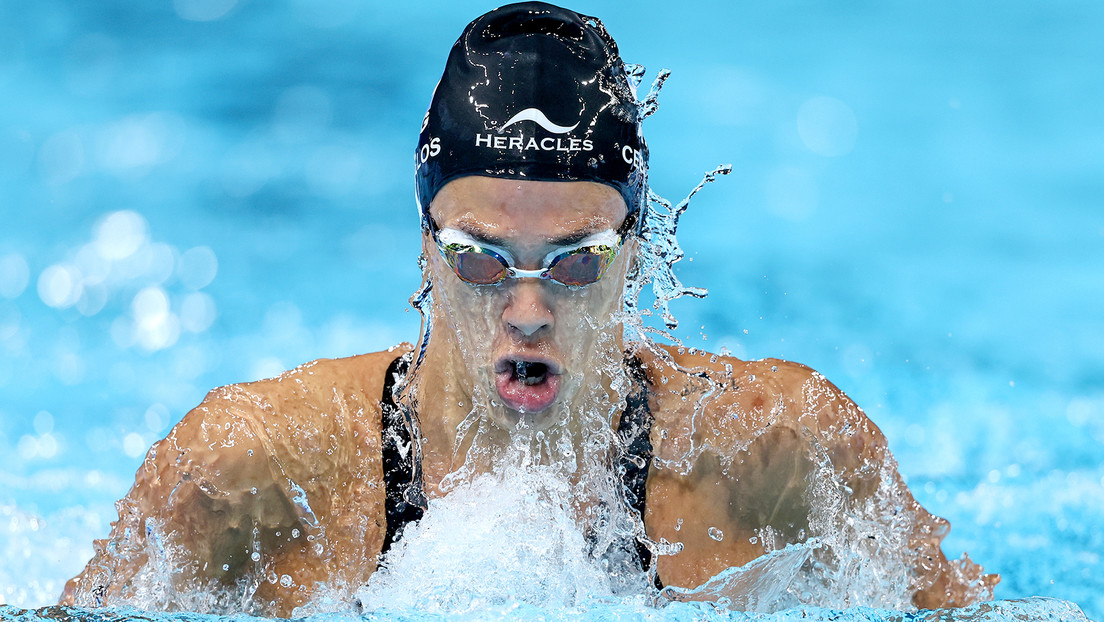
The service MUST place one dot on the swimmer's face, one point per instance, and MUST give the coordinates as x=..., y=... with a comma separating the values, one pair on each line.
x=528, y=345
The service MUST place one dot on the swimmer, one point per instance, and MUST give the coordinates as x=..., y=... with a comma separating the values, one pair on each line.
x=531, y=173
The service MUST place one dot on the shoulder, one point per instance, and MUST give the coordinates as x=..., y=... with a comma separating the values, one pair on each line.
x=317, y=415
x=723, y=403
x=311, y=389
x=318, y=380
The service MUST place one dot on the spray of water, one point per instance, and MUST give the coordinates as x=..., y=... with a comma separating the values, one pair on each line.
x=508, y=537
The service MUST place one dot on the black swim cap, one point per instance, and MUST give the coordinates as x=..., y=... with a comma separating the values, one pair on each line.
x=533, y=91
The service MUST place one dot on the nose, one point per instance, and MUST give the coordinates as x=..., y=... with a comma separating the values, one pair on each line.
x=527, y=312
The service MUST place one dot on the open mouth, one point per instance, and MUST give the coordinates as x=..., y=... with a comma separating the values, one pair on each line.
x=530, y=372
x=527, y=385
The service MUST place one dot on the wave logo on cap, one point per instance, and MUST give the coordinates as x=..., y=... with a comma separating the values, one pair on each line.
x=521, y=142
x=537, y=116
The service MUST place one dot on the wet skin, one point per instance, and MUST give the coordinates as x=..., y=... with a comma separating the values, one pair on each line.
x=292, y=466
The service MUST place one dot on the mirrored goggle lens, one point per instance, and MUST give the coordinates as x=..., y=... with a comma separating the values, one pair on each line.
x=581, y=267
x=476, y=267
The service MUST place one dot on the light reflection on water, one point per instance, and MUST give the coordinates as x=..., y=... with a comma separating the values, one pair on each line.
x=208, y=191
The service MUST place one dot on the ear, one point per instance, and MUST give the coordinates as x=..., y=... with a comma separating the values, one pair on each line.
x=632, y=248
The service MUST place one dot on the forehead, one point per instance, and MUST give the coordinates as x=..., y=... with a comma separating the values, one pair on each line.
x=511, y=207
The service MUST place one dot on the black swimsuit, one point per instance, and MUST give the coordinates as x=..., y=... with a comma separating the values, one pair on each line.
x=402, y=476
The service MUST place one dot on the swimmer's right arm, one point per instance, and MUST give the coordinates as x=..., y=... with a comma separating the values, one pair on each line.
x=204, y=500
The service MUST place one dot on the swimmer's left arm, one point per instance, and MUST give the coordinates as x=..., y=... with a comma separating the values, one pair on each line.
x=858, y=454
x=765, y=435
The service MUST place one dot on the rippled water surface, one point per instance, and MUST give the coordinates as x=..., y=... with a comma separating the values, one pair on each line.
x=200, y=192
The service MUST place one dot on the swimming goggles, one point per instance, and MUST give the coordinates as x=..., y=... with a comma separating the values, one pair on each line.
x=482, y=264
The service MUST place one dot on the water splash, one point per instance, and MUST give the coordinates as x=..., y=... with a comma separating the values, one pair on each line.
x=659, y=246
x=454, y=562
x=761, y=585
x=651, y=101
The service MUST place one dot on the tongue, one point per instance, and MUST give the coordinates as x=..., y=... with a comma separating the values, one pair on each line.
x=527, y=398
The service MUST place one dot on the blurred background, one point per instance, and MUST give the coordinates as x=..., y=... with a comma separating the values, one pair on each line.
x=201, y=192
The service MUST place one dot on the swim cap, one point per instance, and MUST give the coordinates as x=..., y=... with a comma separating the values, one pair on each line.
x=533, y=91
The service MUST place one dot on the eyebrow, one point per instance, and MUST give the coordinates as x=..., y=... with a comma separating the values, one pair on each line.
x=494, y=240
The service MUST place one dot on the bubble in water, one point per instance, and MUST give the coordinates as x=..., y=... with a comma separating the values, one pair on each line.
x=155, y=326
x=120, y=235
x=716, y=534
x=197, y=312
x=256, y=556
x=59, y=286
x=197, y=267
x=285, y=580
x=43, y=422
x=134, y=445
x=14, y=275
x=132, y=145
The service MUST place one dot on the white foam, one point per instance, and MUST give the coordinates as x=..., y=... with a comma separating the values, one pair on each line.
x=455, y=560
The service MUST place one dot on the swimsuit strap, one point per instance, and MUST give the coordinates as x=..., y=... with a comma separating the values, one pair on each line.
x=402, y=477
x=634, y=430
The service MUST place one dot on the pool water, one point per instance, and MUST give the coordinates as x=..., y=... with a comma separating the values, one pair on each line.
x=203, y=192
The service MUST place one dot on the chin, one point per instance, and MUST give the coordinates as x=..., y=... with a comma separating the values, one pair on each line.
x=512, y=420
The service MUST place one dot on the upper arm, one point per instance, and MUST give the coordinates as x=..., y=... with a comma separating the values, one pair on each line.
x=781, y=450
x=868, y=501
x=200, y=498
x=270, y=479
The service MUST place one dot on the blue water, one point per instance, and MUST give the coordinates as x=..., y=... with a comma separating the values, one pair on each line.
x=200, y=192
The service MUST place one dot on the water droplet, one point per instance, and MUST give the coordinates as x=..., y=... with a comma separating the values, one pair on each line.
x=285, y=581
x=255, y=556
x=294, y=533
x=716, y=534
x=225, y=567
x=678, y=525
